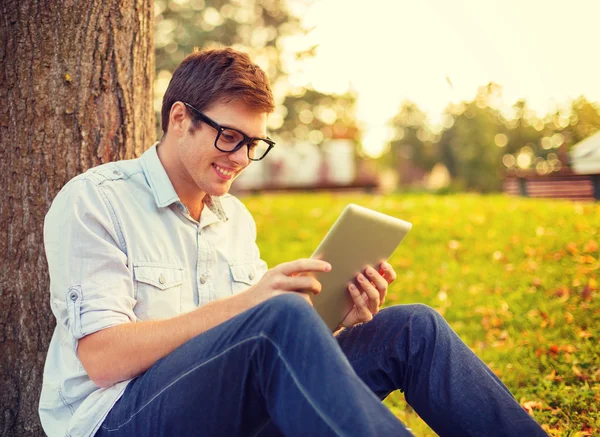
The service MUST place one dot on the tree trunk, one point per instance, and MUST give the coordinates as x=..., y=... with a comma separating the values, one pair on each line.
x=75, y=91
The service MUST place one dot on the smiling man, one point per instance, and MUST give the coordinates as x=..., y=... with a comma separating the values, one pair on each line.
x=170, y=324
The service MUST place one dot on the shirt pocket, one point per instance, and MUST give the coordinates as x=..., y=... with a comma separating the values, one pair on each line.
x=158, y=290
x=245, y=274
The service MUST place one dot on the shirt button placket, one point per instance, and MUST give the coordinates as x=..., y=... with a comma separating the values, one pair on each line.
x=199, y=299
x=201, y=271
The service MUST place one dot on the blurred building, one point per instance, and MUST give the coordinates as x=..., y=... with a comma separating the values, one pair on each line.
x=333, y=165
x=584, y=157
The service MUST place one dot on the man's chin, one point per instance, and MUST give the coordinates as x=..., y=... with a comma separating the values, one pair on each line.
x=221, y=190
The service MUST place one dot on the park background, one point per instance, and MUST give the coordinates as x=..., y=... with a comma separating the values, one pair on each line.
x=422, y=109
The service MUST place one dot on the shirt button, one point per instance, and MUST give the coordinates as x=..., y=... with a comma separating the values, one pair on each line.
x=251, y=276
x=116, y=172
x=161, y=279
x=203, y=279
x=73, y=296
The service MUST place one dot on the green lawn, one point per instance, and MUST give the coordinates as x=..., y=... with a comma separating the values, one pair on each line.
x=516, y=279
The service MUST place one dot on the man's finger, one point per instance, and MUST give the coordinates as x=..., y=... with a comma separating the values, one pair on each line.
x=301, y=283
x=360, y=303
x=303, y=265
x=378, y=281
x=388, y=272
x=372, y=293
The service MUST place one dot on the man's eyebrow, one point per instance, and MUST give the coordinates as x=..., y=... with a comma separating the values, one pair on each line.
x=249, y=136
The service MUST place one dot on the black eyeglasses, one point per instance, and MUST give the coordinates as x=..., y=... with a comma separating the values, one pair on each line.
x=230, y=140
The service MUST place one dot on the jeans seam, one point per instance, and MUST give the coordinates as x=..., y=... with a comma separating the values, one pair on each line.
x=302, y=390
x=176, y=381
x=262, y=427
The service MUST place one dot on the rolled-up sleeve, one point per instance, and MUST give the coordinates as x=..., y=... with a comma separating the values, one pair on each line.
x=91, y=285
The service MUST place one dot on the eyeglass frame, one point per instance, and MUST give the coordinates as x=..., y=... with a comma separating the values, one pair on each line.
x=245, y=141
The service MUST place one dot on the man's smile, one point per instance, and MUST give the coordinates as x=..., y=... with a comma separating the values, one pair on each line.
x=223, y=172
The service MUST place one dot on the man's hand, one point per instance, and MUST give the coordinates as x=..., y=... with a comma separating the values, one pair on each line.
x=370, y=293
x=288, y=277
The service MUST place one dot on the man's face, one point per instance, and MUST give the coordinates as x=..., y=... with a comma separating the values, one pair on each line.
x=211, y=170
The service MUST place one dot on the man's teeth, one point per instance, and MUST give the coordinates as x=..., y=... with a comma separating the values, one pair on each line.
x=223, y=171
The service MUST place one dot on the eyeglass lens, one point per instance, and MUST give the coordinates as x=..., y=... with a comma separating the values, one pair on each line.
x=229, y=139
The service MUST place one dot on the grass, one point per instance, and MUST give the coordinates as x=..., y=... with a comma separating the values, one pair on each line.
x=515, y=278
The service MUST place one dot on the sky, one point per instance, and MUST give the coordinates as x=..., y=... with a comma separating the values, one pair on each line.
x=434, y=52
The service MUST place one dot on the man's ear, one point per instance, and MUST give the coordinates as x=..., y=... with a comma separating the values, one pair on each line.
x=178, y=119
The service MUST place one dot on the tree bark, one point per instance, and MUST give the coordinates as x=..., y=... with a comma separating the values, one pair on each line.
x=75, y=91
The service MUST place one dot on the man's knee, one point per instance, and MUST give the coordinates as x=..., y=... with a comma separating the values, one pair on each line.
x=422, y=320
x=426, y=319
x=288, y=307
x=288, y=301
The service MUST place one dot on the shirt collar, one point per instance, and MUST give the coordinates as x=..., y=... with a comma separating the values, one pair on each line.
x=163, y=190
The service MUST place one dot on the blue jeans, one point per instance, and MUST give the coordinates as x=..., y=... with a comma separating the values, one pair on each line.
x=277, y=370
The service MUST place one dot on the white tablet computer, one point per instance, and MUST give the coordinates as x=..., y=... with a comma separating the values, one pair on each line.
x=358, y=238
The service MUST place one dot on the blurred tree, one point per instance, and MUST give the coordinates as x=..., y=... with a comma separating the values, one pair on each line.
x=583, y=121
x=316, y=117
x=254, y=26
x=524, y=129
x=76, y=86
x=523, y=133
x=411, y=149
x=469, y=149
x=445, y=146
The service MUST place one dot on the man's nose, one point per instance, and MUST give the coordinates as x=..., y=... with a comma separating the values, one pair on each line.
x=240, y=156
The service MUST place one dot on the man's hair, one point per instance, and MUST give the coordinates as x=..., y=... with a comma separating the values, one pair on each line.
x=214, y=76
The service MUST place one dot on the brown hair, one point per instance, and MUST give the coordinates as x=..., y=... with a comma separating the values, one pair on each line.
x=217, y=75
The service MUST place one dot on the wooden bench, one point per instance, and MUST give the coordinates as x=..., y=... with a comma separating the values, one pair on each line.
x=562, y=184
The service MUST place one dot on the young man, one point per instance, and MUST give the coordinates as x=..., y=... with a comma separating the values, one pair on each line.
x=169, y=324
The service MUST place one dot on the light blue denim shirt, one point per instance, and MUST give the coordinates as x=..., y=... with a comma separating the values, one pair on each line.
x=122, y=248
